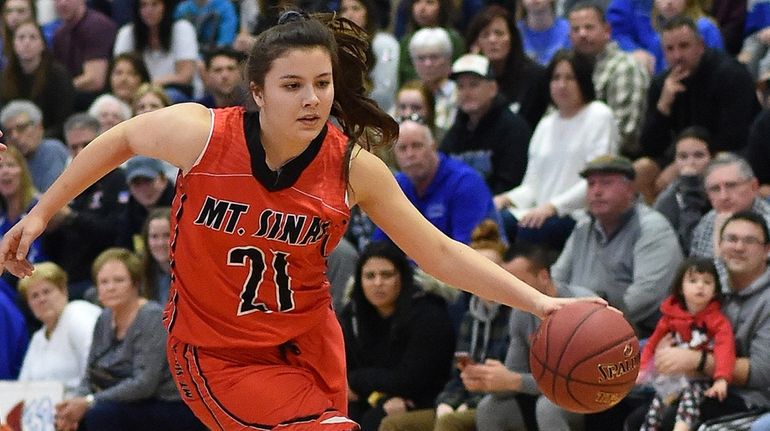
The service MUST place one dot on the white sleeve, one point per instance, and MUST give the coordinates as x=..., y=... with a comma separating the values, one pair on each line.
x=184, y=43
x=124, y=41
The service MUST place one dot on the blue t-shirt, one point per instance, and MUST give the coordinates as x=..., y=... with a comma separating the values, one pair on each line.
x=216, y=22
x=542, y=45
x=456, y=201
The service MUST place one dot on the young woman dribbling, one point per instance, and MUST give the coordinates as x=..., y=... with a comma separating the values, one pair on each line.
x=262, y=199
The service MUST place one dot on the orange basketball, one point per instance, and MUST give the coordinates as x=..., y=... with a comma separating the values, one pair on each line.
x=585, y=357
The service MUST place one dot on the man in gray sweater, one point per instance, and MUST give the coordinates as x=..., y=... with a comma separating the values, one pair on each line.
x=625, y=252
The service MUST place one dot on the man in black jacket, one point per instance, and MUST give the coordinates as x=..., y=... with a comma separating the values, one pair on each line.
x=486, y=134
x=90, y=223
x=702, y=87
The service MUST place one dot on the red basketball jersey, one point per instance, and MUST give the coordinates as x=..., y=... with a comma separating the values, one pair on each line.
x=248, y=246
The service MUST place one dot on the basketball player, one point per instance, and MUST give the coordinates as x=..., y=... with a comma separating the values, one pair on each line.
x=263, y=198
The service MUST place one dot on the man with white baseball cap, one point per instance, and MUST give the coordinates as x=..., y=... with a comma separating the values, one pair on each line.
x=486, y=134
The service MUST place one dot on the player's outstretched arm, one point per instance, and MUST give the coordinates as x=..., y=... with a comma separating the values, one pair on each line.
x=373, y=187
x=176, y=134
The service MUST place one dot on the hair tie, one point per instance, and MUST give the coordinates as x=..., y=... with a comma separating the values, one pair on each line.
x=292, y=16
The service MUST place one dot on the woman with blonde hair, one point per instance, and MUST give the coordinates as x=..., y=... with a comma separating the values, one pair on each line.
x=59, y=350
x=149, y=97
x=17, y=196
x=127, y=384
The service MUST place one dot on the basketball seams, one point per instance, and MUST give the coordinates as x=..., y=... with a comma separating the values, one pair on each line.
x=608, y=346
x=566, y=345
x=567, y=391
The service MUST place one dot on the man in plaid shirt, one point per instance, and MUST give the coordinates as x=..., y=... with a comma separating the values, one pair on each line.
x=620, y=81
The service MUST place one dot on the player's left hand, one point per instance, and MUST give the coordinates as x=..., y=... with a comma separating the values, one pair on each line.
x=550, y=304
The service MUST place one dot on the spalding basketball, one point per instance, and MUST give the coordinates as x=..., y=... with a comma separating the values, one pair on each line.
x=585, y=357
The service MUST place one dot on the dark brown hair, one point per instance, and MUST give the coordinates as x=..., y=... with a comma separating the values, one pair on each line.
x=360, y=117
x=699, y=265
x=12, y=73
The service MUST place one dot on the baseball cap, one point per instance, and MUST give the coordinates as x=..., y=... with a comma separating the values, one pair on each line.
x=610, y=164
x=472, y=63
x=143, y=167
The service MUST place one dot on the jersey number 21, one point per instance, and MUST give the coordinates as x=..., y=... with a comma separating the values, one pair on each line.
x=257, y=261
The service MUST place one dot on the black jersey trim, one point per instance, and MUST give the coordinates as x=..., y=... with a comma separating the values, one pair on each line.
x=289, y=173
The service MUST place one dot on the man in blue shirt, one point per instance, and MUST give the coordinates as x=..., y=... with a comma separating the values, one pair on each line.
x=449, y=193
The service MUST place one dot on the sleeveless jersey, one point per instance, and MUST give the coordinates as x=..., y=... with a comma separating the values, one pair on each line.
x=249, y=245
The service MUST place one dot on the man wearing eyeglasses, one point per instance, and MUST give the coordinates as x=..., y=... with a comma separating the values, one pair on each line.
x=743, y=247
x=22, y=123
x=731, y=187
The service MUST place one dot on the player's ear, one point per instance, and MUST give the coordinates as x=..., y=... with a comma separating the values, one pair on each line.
x=256, y=94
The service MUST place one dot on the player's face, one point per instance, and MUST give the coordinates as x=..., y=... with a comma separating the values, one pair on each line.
x=742, y=247
x=698, y=289
x=297, y=96
x=609, y=195
x=588, y=34
x=728, y=190
x=682, y=48
x=494, y=41
x=381, y=283
x=157, y=239
x=47, y=301
x=114, y=285
x=692, y=156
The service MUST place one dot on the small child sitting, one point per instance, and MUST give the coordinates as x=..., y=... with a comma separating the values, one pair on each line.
x=692, y=316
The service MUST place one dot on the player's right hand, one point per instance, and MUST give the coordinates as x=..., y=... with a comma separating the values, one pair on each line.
x=16, y=243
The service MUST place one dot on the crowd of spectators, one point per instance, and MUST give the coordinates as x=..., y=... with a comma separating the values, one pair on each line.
x=602, y=141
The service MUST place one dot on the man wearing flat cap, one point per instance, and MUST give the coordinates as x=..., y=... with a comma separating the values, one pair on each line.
x=624, y=251
x=486, y=134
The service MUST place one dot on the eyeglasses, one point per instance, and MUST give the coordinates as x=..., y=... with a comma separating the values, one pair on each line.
x=746, y=240
x=728, y=186
x=417, y=118
x=20, y=128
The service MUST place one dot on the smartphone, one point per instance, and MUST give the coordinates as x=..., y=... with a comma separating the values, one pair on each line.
x=463, y=359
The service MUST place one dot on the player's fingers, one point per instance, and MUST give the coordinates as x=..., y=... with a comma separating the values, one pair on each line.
x=25, y=242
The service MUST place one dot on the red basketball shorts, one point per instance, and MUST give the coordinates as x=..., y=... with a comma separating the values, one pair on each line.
x=298, y=386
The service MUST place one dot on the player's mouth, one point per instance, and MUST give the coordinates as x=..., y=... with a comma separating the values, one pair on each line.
x=309, y=120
